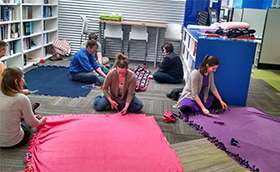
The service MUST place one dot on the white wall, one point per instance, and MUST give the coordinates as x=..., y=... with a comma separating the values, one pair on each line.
x=69, y=25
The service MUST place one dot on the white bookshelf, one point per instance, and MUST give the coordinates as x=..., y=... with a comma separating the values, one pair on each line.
x=29, y=27
x=188, y=53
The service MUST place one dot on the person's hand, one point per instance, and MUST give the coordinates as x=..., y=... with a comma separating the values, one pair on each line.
x=124, y=111
x=114, y=104
x=25, y=91
x=43, y=120
x=213, y=115
x=38, y=116
x=205, y=111
x=224, y=105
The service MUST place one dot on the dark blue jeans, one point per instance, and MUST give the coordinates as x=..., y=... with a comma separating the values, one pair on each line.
x=101, y=104
x=162, y=77
x=86, y=77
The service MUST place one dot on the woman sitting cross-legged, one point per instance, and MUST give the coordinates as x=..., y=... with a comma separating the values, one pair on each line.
x=16, y=115
x=119, y=89
x=195, y=97
x=171, y=68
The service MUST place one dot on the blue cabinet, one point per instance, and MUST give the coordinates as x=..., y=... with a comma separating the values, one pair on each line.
x=236, y=59
x=259, y=4
x=193, y=7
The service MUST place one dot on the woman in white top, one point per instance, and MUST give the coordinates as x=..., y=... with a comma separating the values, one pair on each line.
x=16, y=113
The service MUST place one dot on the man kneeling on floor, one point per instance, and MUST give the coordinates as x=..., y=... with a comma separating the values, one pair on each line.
x=83, y=67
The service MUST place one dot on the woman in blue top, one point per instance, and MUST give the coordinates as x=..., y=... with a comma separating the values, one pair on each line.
x=195, y=97
x=83, y=67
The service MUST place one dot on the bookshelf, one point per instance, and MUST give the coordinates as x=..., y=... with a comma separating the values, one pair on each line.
x=29, y=27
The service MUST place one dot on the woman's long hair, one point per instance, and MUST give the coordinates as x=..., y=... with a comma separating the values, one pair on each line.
x=121, y=61
x=208, y=61
x=10, y=81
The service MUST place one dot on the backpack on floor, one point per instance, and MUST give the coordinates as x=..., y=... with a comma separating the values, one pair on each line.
x=142, y=76
x=175, y=93
x=60, y=49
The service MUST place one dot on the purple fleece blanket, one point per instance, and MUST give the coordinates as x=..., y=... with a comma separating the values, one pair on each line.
x=257, y=135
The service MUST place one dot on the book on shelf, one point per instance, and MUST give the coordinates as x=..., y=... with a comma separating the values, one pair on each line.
x=27, y=12
x=9, y=31
x=45, y=38
x=29, y=43
x=13, y=47
x=27, y=28
x=9, y=1
x=47, y=11
x=4, y=32
x=7, y=13
x=15, y=30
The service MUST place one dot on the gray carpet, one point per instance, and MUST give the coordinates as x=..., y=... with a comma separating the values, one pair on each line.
x=261, y=96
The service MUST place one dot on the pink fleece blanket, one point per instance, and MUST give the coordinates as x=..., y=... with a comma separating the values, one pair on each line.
x=101, y=143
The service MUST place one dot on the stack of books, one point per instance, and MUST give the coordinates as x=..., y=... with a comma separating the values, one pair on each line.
x=6, y=13
x=47, y=11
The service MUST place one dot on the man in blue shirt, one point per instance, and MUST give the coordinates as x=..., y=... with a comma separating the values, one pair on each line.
x=83, y=66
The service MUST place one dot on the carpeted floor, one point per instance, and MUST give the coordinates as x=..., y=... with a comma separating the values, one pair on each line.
x=272, y=77
x=195, y=153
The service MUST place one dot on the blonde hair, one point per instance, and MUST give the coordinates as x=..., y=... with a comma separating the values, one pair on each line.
x=10, y=81
x=121, y=61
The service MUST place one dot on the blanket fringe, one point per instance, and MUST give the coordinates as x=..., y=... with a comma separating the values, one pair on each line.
x=29, y=154
x=220, y=145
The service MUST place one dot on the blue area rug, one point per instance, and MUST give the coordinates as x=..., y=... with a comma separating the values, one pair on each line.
x=54, y=81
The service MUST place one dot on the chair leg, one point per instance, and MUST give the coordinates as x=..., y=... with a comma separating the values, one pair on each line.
x=104, y=45
x=122, y=46
x=146, y=52
x=128, y=48
x=81, y=41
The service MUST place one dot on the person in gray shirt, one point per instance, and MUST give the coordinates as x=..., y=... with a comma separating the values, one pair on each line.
x=16, y=115
x=195, y=97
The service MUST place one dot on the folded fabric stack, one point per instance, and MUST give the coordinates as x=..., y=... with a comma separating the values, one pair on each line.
x=111, y=17
x=240, y=30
